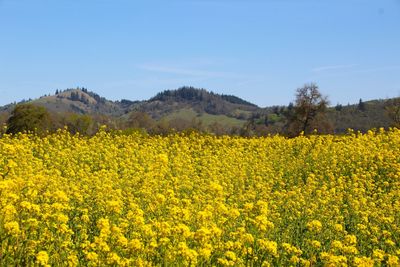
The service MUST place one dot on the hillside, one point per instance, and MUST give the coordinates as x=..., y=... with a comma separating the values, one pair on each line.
x=183, y=105
x=172, y=103
x=80, y=101
x=360, y=117
x=189, y=107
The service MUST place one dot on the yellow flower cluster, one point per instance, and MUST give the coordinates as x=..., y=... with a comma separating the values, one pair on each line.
x=200, y=200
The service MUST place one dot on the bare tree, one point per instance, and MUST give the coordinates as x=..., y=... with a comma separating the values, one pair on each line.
x=141, y=120
x=309, y=111
x=393, y=111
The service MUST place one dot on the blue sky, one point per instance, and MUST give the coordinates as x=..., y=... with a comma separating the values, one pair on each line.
x=260, y=50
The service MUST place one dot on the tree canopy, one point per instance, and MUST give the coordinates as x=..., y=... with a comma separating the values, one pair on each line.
x=28, y=117
x=309, y=111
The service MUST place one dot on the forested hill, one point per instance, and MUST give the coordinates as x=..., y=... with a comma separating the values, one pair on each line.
x=178, y=108
x=196, y=101
x=82, y=101
x=198, y=95
x=191, y=108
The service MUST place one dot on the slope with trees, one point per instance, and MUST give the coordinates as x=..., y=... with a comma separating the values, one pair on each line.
x=189, y=109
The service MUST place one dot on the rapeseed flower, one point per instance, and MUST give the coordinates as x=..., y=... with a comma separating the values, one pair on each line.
x=200, y=200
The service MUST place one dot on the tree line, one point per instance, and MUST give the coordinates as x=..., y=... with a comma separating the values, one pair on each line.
x=306, y=115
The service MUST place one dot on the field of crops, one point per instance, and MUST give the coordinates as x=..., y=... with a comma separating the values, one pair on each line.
x=200, y=200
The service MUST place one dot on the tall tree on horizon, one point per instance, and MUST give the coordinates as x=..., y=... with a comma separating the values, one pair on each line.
x=393, y=111
x=309, y=111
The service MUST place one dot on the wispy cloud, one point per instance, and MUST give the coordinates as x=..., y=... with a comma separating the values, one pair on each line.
x=378, y=69
x=333, y=67
x=182, y=71
x=192, y=70
x=236, y=1
x=240, y=2
x=148, y=82
x=351, y=70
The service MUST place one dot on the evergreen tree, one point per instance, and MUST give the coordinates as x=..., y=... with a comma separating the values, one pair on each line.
x=361, y=105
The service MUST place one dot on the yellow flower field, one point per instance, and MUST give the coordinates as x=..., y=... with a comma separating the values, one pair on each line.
x=198, y=200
